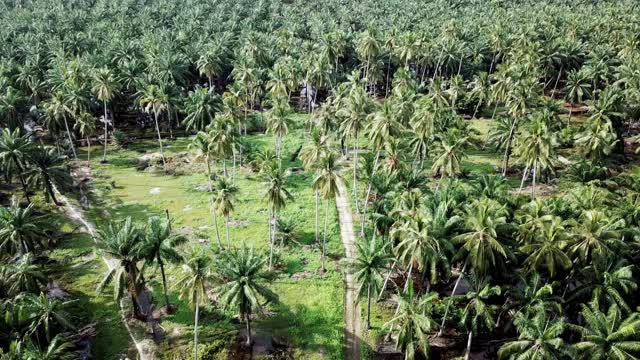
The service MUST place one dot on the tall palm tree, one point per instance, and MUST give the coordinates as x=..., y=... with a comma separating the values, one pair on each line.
x=22, y=230
x=223, y=199
x=535, y=149
x=608, y=335
x=276, y=197
x=14, y=150
x=278, y=122
x=243, y=284
x=154, y=100
x=196, y=275
x=201, y=107
x=478, y=313
x=48, y=171
x=372, y=259
x=105, y=87
x=538, y=338
x=160, y=246
x=412, y=322
x=124, y=242
x=86, y=126
x=210, y=64
x=311, y=153
x=56, y=109
x=326, y=182
x=596, y=234
x=450, y=152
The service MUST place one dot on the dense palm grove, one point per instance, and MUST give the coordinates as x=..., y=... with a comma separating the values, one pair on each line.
x=539, y=253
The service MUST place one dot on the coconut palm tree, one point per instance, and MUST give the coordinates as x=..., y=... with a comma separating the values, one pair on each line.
x=86, y=126
x=276, y=197
x=160, y=246
x=548, y=248
x=154, y=100
x=105, y=87
x=14, y=150
x=196, y=276
x=412, y=322
x=223, y=199
x=278, y=122
x=311, y=154
x=608, y=335
x=478, y=313
x=124, y=242
x=48, y=171
x=201, y=107
x=535, y=148
x=372, y=259
x=326, y=182
x=56, y=109
x=210, y=64
x=607, y=281
x=538, y=338
x=449, y=154
x=22, y=230
x=596, y=234
x=243, y=284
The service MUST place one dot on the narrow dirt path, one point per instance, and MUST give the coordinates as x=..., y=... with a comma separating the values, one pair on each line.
x=353, y=325
x=145, y=346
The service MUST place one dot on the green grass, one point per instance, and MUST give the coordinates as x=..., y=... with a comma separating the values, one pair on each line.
x=310, y=311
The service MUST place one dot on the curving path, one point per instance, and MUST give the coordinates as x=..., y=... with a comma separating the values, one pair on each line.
x=353, y=325
x=144, y=345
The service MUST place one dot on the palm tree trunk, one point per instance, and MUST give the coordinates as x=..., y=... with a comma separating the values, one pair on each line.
x=355, y=171
x=369, y=307
x=524, y=176
x=467, y=352
x=73, y=148
x=533, y=180
x=507, y=152
x=326, y=224
x=215, y=220
x=475, y=112
x=226, y=224
x=386, y=280
x=49, y=189
x=248, y=323
x=317, y=223
x=271, y=231
x=164, y=164
x=386, y=89
x=555, y=86
x=366, y=199
x=164, y=283
x=446, y=311
x=88, y=151
x=106, y=133
x=210, y=84
x=195, y=329
x=22, y=181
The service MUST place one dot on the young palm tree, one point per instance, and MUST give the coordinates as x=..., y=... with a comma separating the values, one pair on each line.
x=478, y=312
x=48, y=171
x=538, y=338
x=412, y=322
x=196, y=275
x=223, y=199
x=276, y=197
x=608, y=336
x=596, y=234
x=22, y=276
x=14, y=150
x=326, y=182
x=22, y=230
x=123, y=242
x=160, y=246
x=44, y=315
x=243, y=284
x=105, y=87
x=311, y=153
x=154, y=100
x=201, y=107
x=372, y=259
x=607, y=281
